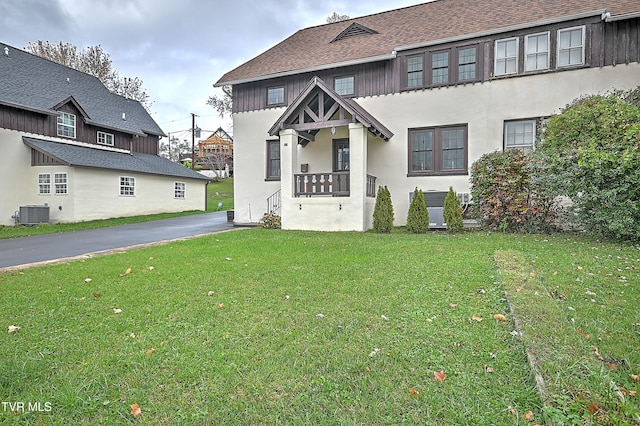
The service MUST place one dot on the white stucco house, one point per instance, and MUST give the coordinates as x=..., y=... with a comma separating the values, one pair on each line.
x=411, y=98
x=73, y=151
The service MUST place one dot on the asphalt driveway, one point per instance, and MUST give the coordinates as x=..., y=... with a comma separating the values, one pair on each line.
x=21, y=252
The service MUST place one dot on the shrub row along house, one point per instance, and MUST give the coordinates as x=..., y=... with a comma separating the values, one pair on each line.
x=73, y=151
x=410, y=98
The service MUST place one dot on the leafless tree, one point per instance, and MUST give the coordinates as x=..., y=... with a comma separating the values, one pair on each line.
x=222, y=104
x=336, y=17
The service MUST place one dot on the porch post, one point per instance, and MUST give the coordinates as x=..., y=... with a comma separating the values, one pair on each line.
x=358, y=168
x=288, y=164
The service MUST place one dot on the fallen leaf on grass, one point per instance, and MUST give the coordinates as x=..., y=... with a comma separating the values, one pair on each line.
x=500, y=317
x=583, y=334
x=488, y=369
x=476, y=318
x=628, y=392
x=14, y=329
x=611, y=365
x=634, y=377
x=135, y=410
x=150, y=351
x=597, y=353
x=413, y=392
x=512, y=410
x=227, y=258
x=151, y=268
x=96, y=294
x=453, y=305
x=593, y=408
x=439, y=376
x=220, y=305
x=117, y=310
x=211, y=293
x=127, y=272
x=529, y=415
x=87, y=280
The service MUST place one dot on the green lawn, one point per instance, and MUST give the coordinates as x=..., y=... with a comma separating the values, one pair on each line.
x=217, y=192
x=328, y=328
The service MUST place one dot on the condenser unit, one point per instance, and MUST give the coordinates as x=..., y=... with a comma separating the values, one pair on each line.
x=33, y=215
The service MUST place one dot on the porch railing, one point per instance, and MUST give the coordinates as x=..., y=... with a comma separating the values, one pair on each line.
x=274, y=202
x=329, y=184
x=371, y=186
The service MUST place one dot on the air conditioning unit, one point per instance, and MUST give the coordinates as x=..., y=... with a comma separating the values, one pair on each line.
x=33, y=215
x=434, y=201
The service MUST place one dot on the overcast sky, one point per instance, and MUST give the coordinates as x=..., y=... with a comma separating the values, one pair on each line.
x=178, y=48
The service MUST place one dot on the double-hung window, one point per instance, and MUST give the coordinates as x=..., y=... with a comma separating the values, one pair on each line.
x=536, y=47
x=438, y=150
x=179, y=189
x=467, y=60
x=105, y=138
x=415, y=70
x=60, y=183
x=345, y=85
x=127, y=186
x=520, y=134
x=67, y=125
x=273, y=160
x=506, y=56
x=44, y=183
x=571, y=46
x=440, y=67
x=275, y=95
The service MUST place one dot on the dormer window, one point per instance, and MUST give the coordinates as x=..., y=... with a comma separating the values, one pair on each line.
x=67, y=125
x=105, y=138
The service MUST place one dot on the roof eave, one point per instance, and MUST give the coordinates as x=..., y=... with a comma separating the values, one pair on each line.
x=367, y=60
x=27, y=108
x=549, y=21
x=609, y=18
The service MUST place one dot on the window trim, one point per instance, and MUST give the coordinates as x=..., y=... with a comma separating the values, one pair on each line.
x=106, y=138
x=179, y=190
x=342, y=77
x=526, y=53
x=44, y=188
x=496, y=58
x=268, y=171
x=437, y=151
x=62, y=187
x=284, y=96
x=583, y=61
x=70, y=127
x=127, y=184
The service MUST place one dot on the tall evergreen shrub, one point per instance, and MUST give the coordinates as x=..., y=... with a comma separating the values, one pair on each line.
x=383, y=211
x=418, y=216
x=453, y=212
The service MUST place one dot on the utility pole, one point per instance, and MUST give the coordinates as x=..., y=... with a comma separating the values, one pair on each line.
x=193, y=140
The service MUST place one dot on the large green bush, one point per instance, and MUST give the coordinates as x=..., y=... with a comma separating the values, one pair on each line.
x=452, y=212
x=418, y=216
x=383, y=211
x=590, y=153
x=504, y=196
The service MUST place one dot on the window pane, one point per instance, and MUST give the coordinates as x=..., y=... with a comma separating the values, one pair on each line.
x=422, y=150
x=452, y=149
x=506, y=57
x=344, y=85
x=570, y=47
x=520, y=135
x=414, y=71
x=440, y=67
x=467, y=64
x=275, y=95
x=273, y=160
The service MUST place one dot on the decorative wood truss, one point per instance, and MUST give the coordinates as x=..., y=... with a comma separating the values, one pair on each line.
x=318, y=107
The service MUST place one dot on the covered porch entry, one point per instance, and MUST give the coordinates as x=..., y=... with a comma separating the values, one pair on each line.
x=325, y=181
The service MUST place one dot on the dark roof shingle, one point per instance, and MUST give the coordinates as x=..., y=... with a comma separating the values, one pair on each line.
x=84, y=156
x=312, y=48
x=37, y=84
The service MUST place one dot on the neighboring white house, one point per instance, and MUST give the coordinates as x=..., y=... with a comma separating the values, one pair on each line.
x=73, y=151
x=411, y=98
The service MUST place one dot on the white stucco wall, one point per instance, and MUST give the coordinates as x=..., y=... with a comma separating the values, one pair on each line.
x=482, y=106
x=92, y=193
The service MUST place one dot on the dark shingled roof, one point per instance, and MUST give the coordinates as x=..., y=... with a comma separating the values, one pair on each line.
x=312, y=48
x=85, y=156
x=37, y=84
